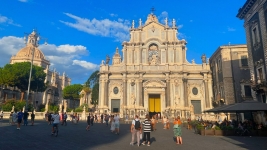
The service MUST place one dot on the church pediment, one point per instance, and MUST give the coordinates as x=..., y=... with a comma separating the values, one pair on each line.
x=154, y=83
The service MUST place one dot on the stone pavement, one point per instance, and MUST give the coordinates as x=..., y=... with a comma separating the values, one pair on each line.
x=75, y=137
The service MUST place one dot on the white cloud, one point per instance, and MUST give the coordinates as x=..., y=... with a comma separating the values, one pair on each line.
x=85, y=64
x=107, y=28
x=230, y=29
x=180, y=26
x=163, y=16
x=113, y=15
x=64, y=58
x=5, y=20
x=24, y=1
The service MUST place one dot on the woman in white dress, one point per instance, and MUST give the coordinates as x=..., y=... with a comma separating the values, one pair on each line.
x=117, y=124
x=112, y=123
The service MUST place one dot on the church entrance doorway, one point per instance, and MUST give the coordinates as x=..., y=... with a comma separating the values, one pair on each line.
x=154, y=104
x=115, y=105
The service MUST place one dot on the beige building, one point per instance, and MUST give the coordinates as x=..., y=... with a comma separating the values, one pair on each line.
x=230, y=75
x=57, y=82
x=153, y=75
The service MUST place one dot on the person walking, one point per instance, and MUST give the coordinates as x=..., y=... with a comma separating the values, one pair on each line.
x=25, y=117
x=32, y=118
x=102, y=117
x=88, y=122
x=153, y=123
x=49, y=117
x=147, y=129
x=14, y=118
x=20, y=115
x=177, y=130
x=92, y=120
x=117, y=124
x=136, y=130
x=106, y=119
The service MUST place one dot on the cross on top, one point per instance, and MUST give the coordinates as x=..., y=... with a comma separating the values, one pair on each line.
x=152, y=10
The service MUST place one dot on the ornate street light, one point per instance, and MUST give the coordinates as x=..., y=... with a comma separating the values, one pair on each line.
x=32, y=40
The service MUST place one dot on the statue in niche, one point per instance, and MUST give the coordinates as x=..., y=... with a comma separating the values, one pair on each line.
x=203, y=58
x=154, y=59
x=107, y=59
x=133, y=99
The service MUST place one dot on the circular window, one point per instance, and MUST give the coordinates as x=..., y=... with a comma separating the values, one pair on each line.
x=195, y=91
x=115, y=90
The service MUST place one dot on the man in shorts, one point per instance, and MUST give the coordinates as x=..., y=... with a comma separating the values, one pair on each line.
x=56, y=121
x=19, y=115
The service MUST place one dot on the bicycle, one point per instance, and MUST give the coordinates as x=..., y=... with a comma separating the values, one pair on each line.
x=55, y=133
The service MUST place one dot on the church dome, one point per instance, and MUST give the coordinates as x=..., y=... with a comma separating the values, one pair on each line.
x=26, y=52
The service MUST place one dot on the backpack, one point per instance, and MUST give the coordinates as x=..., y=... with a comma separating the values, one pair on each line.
x=137, y=124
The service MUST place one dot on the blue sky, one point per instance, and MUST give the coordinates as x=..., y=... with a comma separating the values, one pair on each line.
x=81, y=33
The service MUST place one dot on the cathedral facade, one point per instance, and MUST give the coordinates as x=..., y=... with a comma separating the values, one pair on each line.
x=153, y=76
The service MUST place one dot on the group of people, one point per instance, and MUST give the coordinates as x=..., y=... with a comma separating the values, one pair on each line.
x=19, y=117
x=149, y=125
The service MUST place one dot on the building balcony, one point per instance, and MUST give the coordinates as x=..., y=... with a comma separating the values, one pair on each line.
x=260, y=85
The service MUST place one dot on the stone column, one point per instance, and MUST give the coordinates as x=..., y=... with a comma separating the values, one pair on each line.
x=168, y=93
x=183, y=50
x=185, y=92
x=124, y=91
x=206, y=93
x=106, y=92
x=140, y=92
x=125, y=55
x=102, y=93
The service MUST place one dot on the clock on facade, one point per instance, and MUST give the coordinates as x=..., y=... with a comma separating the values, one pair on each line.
x=116, y=90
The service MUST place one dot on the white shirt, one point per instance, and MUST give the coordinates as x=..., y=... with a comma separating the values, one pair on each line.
x=56, y=118
x=117, y=119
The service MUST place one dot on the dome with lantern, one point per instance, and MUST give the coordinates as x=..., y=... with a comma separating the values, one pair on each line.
x=31, y=52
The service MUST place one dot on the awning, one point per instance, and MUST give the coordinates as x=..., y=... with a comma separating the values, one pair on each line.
x=246, y=106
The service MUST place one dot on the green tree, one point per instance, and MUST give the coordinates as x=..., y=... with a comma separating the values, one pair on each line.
x=93, y=81
x=72, y=92
x=18, y=75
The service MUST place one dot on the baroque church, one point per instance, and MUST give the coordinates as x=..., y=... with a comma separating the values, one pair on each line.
x=56, y=82
x=153, y=75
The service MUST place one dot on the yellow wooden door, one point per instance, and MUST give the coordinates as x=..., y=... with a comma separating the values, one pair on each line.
x=154, y=104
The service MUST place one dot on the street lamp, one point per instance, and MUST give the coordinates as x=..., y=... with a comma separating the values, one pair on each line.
x=31, y=40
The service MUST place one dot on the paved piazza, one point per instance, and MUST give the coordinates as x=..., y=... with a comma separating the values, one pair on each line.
x=75, y=137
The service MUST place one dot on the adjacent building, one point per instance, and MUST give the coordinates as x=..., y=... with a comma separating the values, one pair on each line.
x=254, y=14
x=56, y=82
x=153, y=75
x=230, y=75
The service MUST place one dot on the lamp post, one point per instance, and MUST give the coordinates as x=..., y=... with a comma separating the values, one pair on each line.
x=31, y=40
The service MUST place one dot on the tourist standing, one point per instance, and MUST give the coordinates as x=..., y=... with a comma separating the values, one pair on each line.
x=25, y=117
x=136, y=130
x=49, y=117
x=92, y=120
x=88, y=122
x=153, y=123
x=177, y=130
x=10, y=118
x=14, y=118
x=20, y=115
x=1, y=115
x=117, y=124
x=147, y=130
x=106, y=119
x=65, y=116
x=102, y=117
x=32, y=118
x=126, y=118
